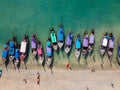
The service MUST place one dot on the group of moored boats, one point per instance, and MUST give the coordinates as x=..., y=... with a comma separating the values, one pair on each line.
x=19, y=52
x=14, y=52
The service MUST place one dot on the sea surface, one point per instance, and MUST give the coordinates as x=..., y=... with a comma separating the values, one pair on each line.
x=18, y=17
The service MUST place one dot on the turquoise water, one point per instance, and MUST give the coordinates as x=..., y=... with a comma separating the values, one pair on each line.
x=36, y=16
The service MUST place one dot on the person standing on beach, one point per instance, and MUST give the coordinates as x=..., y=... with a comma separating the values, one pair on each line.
x=68, y=66
x=0, y=73
x=38, y=78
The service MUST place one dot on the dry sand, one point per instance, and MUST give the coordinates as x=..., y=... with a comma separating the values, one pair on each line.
x=61, y=80
x=79, y=78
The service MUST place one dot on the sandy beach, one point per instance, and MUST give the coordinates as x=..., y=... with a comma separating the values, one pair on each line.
x=61, y=80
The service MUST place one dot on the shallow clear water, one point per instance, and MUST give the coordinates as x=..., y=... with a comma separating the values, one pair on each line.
x=36, y=16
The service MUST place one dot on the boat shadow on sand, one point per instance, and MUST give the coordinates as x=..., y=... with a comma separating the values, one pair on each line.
x=44, y=61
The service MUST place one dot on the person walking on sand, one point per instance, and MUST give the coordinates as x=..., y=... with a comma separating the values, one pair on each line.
x=38, y=78
x=68, y=66
x=0, y=73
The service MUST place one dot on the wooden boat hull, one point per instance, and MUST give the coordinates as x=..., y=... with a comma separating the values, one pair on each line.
x=67, y=49
x=55, y=47
x=4, y=59
x=22, y=57
x=11, y=58
x=102, y=52
x=34, y=54
x=90, y=49
x=16, y=62
x=85, y=52
x=49, y=61
x=77, y=53
x=110, y=54
x=41, y=59
x=60, y=44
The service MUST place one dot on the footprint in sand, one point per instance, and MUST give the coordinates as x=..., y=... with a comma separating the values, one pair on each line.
x=112, y=85
x=25, y=81
x=87, y=88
